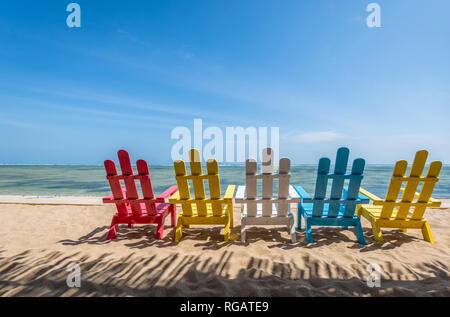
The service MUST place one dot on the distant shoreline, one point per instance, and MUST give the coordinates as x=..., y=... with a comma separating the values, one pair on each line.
x=170, y=165
x=84, y=200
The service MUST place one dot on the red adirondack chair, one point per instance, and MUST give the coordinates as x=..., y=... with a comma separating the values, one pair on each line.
x=131, y=209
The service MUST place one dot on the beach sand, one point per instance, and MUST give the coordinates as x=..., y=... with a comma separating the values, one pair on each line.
x=38, y=242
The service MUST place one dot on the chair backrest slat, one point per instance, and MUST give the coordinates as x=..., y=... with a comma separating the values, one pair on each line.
x=411, y=186
x=250, y=186
x=283, y=185
x=337, y=186
x=427, y=188
x=267, y=161
x=146, y=185
x=214, y=186
x=321, y=186
x=183, y=186
x=197, y=181
x=394, y=188
x=354, y=185
x=267, y=181
x=130, y=185
x=114, y=183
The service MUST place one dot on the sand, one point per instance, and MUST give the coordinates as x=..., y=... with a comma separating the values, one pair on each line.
x=39, y=241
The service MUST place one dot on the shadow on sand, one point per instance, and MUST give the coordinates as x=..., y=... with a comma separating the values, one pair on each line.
x=43, y=273
x=211, y=238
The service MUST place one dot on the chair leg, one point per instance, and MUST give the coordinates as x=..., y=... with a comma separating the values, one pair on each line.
x=299, y=220
x=404, y=230
x=243, y=231
x=173, y=215
x=292, y=230
x=179, y=230
x=358, y=210
x=377, y=235
x=426, y=232
x=226, y=232
x=309, y=238
x=113, y=229
x=244, y=235
x=345, y=227
x=231, y=211
x=160, y=231
x=360, y=232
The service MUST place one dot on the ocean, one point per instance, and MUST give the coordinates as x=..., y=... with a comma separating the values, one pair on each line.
x=56, y=180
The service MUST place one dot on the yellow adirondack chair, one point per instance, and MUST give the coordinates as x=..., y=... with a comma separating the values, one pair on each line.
x=405, y=212
x=200, y=210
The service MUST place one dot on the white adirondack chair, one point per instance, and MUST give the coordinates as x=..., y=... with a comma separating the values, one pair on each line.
x=270, y=208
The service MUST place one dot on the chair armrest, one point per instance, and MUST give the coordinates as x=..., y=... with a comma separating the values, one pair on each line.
x=293, y=193
x=294, y=197
x=302, y=193
x=162, y=198
x=370, y=195
x=108, y=199
x=240, y=193
x=364, y=199
x=175, y=198
x=229, y=193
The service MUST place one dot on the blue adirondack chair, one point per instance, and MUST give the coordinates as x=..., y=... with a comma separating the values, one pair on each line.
x=339, y=208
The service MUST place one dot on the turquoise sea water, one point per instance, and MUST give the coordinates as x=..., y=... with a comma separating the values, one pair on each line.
x=90, y=180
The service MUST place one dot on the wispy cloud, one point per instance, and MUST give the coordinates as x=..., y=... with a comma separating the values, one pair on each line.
x=130, y=37
x=61, y=108
x=19, y=124
x=181, y=68
x=131, y=103
x=313, y=136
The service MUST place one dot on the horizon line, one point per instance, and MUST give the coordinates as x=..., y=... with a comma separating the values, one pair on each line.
x=171, y=165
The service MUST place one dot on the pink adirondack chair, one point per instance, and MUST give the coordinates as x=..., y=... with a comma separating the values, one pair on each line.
x=131, y=209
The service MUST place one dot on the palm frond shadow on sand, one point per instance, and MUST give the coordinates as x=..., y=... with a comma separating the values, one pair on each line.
x=45, y=273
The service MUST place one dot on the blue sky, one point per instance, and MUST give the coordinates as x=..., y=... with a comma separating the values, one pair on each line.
x=137, y=69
